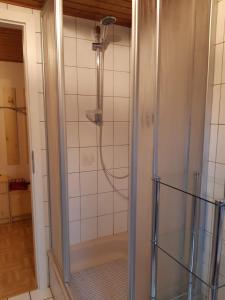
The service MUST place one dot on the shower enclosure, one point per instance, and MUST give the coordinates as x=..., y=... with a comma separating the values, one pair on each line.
x=101, y=234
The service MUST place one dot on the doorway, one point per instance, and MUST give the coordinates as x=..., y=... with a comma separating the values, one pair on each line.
x=17, y=259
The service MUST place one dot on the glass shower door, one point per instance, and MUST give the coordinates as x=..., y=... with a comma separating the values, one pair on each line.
x=56, y=138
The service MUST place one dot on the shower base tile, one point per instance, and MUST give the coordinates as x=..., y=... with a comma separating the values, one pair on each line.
x=103, y=282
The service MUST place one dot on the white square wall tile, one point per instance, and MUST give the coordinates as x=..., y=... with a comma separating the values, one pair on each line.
x=88, y=183
x=71, y=108
x=105, y=203
x=85, y=103
x=24, y=296
x=120, y=222
x=222, y=105
x=121, y=84
x=72, y=134
x=85, y=54
x=121, y=156
x=103, y=183
x=44, y=162
x=74, y=209
x=220, y=22
x=107, y=134
x=86, y=81
x=223, y=68
x=38, y=47
x=41, y=106
x=219, y=182
x=121, y=184
x=88, y=159
x=108, y=83
x=89, y=229
x=87, y=132
x=120, y=203
x=121, y=109
x=218, y=64
x=41, y=294
x=70, y=49
x=122, y=35
x=70, y=80
x=211, y=179
x=213, y=142
x=73, y=160
x=105, y=225
x=37, y=17
x=85, y=29
x=215, y=104
x=221, y=145
x=39, y=78
x=121, y=58
x=69, y=26
x=73, y=185
x=121, y=133
x=108, y=109
x=107, y=155
x=43, y=135
x=45, y=188
x=89, y=206
x=74, y=232
x=108, y=57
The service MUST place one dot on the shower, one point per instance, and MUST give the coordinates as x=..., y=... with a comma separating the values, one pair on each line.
x=96, y=115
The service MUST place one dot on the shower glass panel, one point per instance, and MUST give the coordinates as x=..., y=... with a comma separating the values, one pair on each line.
x=174, y=36
x=56, y=141
x=97, y=95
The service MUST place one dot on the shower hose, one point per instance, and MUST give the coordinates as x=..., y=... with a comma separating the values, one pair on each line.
x=108, y=174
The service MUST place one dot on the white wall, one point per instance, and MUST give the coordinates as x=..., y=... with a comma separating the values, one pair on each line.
x=12, y=76
x=95, y=209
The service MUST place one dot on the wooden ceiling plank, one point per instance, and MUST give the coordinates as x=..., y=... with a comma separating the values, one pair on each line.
x=95, y=11
x=96, y=17
x=92, y=4
x=119, y=3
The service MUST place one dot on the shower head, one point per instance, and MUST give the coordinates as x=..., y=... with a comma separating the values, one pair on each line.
x=109, y=20
x=105, y=23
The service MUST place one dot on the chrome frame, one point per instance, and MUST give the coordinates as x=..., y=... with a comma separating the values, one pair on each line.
x=219, y=214
x=58, y=15
x=217, y=238
x=194, y=237
x=154, y=241
x=133, y=151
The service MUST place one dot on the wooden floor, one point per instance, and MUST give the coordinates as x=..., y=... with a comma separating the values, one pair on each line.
x=17, y=273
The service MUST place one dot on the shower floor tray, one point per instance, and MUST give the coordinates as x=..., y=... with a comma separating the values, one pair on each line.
x=103, y=282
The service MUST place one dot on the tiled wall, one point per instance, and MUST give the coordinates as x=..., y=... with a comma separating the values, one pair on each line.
x=216, y=166
x=95, y=209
